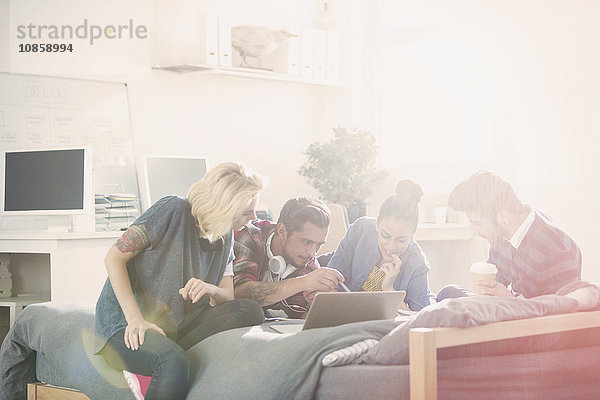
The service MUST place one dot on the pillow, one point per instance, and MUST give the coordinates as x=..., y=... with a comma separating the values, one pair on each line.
x=464, y=312
x=587, y=294
x=348, y=355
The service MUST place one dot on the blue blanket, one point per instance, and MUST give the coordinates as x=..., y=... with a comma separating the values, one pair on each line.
x=63, y=335
x=258, y=363
x=243, y=363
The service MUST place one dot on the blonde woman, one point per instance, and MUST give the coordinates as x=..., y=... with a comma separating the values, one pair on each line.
x=170, y=280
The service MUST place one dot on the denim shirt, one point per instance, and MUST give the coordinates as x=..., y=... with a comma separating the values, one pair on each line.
x=358, y=253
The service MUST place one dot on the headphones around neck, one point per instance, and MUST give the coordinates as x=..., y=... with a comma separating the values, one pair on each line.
x=279, y=267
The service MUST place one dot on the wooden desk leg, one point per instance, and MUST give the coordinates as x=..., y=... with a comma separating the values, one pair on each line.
x=423, y=364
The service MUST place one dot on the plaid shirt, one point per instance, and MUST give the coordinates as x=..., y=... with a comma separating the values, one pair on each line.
x=251, y=263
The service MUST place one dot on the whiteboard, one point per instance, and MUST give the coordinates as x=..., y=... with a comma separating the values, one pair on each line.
x=43, y=111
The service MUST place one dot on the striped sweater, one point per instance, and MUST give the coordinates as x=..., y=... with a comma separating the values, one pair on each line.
x=546, y=259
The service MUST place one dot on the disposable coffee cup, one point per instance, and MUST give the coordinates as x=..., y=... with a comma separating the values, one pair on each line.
x=482, y=271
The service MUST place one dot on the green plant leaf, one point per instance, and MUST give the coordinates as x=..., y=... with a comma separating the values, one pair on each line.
x=343, y=169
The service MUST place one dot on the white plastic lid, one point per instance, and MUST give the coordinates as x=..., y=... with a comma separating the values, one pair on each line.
x=484, y=268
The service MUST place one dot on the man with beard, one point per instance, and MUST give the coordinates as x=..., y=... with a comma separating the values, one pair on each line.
x=275, y=264
x=532, y=254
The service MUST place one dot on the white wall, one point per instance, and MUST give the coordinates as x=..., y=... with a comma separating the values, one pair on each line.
x=126, y=55
x=537, y=62
x=265, y=124
x=4, y=34
x=522, y=75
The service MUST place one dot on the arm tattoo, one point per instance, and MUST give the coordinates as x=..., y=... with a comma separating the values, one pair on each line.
x=259, y=291
x=134, y=239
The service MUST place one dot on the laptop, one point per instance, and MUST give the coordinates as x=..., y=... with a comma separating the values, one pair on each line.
x=337, y=308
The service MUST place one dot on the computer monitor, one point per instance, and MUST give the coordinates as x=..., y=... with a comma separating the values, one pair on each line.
x=170, y=175
x=46, y=182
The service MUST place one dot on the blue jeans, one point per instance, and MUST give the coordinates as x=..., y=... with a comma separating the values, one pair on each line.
x=165, y=360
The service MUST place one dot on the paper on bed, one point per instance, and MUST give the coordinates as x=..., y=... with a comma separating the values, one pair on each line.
x=287, y=328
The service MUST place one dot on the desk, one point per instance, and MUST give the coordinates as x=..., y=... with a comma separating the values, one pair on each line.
x=16, y=304
x=77, y=271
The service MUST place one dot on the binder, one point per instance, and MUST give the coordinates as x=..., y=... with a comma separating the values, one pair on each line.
x=225, y=41
x=333, y=55
x=320, y=62
x=209, y=39
x=307, y=52
x=293, y=53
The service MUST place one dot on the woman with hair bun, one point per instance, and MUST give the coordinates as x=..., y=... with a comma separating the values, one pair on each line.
x=380, y=254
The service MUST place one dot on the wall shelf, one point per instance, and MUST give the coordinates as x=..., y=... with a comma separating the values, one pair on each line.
x=252, y=73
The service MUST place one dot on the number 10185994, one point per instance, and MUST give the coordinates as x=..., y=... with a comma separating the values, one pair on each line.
x=45, y=48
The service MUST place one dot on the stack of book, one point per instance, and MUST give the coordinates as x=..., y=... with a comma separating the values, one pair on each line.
x=115, y=211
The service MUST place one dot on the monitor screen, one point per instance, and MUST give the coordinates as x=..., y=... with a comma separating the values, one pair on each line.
x=171, y=175
x=45, y=181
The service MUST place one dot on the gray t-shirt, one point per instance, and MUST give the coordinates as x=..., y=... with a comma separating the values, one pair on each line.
x=176, y=253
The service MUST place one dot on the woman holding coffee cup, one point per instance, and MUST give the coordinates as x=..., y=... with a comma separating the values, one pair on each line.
x=380, y=254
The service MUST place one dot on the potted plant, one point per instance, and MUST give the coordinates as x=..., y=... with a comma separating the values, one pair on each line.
x=343, y=169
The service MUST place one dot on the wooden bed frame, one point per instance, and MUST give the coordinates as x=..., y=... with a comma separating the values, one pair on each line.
x=41, y=391
x=424, y=343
